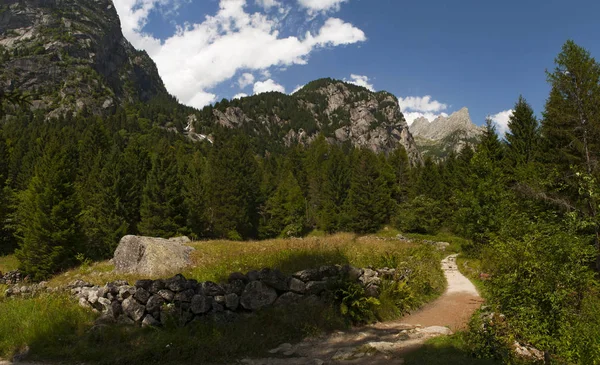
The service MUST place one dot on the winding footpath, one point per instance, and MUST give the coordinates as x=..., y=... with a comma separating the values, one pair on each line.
x=385, y=343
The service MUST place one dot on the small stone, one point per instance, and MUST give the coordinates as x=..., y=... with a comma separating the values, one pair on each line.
x=316, y=287
x=167, y=295
x=235, y=286
x=143, y=284
x=150, y=321
x=237, y=276
x=282, y=348
x=275, y=279
x=257, y=295
x=84, y=303
x=232, y=301
x=177, y=283
x=200, y=304
x=156, y=286
x=252, y=275
x=289, y=299
x=154, y=303
x=184, y=296
x=133, y=309
x=297, y=286
x=141, y=295
x=308, y=275
x=212, y=289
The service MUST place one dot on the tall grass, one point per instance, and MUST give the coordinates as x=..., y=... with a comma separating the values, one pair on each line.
x=8, y=263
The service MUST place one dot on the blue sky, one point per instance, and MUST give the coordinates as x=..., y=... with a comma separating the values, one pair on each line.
x=436, y=56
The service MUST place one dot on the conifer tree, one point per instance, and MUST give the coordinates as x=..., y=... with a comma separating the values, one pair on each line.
x=335, y=190
x=195, y=196
x=522, y=139
x=369, y=200
x=490, y=143
x=47, y=215
x=285, y=209
x=400, y=165
x=233, y=187
x=162, y=210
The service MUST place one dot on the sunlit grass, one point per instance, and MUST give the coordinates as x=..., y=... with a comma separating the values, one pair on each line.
x=8, y=263
x=446, y=350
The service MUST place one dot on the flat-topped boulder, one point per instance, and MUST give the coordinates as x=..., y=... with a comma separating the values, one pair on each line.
x=152, y=256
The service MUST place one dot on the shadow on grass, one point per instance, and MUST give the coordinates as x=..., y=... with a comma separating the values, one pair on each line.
x=447, y=350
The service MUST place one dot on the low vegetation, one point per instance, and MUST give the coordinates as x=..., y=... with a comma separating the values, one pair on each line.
x=221, y=342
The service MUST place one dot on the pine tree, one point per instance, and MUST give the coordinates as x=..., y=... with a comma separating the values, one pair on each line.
x=285, y=209
x=369, y=199
x=7, y=241
x=335, y=190
x=47, y=215
x=522, y=139
x=195, y=196
x=400, y=164
x=162, y=212
x=490, y=143
x=233, y=187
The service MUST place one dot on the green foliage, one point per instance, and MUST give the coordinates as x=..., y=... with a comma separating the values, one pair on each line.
x=47, y=216
x=355, y=305
x=421, y=215
x=523, y=137
x=285, y=210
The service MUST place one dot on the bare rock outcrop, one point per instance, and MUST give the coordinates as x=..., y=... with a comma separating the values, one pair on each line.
x=151, y=256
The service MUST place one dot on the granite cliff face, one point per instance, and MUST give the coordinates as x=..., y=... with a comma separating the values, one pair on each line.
x=342, y=112
x=70, y=55
x=445, y=134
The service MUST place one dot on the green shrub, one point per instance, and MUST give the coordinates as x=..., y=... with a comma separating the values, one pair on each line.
x=355, y=305
x=421, y=215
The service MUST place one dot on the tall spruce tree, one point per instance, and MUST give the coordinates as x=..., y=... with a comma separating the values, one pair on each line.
x=285, y=209
x=233, y=187
x=571, y=127
x=47, y=215
x=162, y=210
x=194, y=192
x=335, y=190
x=523, y=137
x=369, y=200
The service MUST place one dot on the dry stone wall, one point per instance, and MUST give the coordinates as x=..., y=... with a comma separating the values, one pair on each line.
x=154, y=302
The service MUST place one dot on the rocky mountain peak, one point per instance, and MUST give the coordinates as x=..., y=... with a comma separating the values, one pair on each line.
x=445, y=134
x=71, y=55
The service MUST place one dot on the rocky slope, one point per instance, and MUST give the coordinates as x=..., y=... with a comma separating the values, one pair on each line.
x=445, y=134
x=342, y=112
x=70, y=55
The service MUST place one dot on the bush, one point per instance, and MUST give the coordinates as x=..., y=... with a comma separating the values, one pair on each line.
x=355, y=305
x=421, y=215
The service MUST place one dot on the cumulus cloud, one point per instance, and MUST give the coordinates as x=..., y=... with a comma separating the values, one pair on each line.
x=200, y=56
x=267, y=86
x=360, y=81
x=267, y=4
x=240, y=95
x=246, y=79
x=321, y=6
x=414, y=107
x=501, y=121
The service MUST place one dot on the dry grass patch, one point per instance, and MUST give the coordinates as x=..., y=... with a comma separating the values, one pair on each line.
x=8, y=263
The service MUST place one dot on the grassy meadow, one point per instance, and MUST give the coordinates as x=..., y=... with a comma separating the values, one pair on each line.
x=28, y=323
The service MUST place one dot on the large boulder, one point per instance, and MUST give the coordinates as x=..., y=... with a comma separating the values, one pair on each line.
x=150, y=256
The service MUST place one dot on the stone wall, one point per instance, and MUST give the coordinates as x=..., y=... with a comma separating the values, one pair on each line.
x=153, y=302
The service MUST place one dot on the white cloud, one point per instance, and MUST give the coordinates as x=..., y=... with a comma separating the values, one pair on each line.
x=411, y=116
x=414, y=107
x=321, y=6
x=266, y=86
x=200, y=56
x=501, y=121
x=360, y=81
x=267, y=4
x=239, y=96
x=246, y=79
x=422, y=104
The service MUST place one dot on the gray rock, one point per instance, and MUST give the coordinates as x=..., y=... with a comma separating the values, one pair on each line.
x=351, y=273
x=150, y=321
x=105, y=304
x=219, y=299
x=126, y=292
x=212, y=289
x=297, y=286
x=154, y=303
x=116, y=309
x=372, y=291
x=275, y=279
x=257, y=295
x=217, y=307
x=201, y=304
x=308, y=275
x=184, y=296
x=252, y=275
x=156, y=286
x=232, y=301
x=316, y=287
x=143, y=284
x=289, y=299
x=150, y=256
x=237, y=276
x=167, y=295
x=133, y=309
x=370, y=277
x=235, y=286
x=177, y=283
x=328, y=271
x=141, y=295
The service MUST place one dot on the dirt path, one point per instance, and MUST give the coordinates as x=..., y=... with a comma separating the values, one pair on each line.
x=385, y=343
